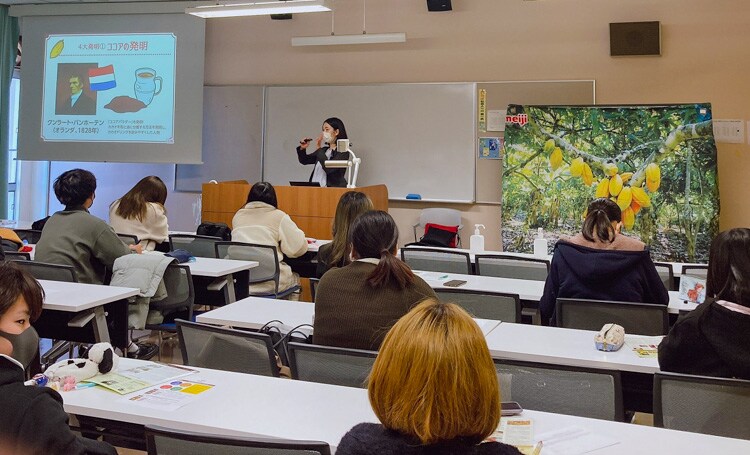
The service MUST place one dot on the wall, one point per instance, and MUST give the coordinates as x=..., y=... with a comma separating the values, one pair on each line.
x=705, y=57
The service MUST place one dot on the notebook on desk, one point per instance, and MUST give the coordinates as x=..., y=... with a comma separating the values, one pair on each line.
x=304, y=184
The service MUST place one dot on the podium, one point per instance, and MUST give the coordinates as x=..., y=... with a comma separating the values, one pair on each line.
x=311, y=208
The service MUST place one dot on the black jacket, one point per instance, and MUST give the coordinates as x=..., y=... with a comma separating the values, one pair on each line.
x=334, y=177
x=33, y=421
x=710, y=341
x=588, y=273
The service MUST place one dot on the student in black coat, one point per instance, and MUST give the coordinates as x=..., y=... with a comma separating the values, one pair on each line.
x=32, y=420
x=333, y=130
x=602, y=264
x=714, y=339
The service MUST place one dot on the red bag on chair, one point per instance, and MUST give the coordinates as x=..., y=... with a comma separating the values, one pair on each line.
x=439, y=235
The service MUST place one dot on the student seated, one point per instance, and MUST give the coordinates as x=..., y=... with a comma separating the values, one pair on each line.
x=75, y=237
x=261, y=222
x=602, y=264
x=336, y=254
x=357, y=304
x=140, y=212
x=714, y=339
x=433, y=387
x=32, y=420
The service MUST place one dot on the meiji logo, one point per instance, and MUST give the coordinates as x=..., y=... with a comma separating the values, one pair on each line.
x=521, y=119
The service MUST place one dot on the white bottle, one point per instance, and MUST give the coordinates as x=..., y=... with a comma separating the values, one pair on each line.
x=476, y=242
x=540, y=244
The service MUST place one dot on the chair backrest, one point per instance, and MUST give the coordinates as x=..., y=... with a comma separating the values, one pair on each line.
x=265, y=255
x=637, y=318
x=52, y=272
x=584, y=392
x=505, y=266
x=701, y=404
x=330, y=365
x=226, y=349
x=30, y=235
x=697, y=271
x=198, y=245
x=17, y=256
x=435, y=260
x=498, y=306
x=314, y=287
x=445, y=217
x=180, y=292
x=128, y=239
x=666, y=273
x=165, y=441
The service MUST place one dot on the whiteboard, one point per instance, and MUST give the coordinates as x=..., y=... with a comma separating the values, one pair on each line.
x=414, y=138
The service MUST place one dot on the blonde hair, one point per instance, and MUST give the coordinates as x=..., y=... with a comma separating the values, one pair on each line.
x=434, y=378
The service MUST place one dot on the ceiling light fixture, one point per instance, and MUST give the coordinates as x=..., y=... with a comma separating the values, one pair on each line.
x=233, y=9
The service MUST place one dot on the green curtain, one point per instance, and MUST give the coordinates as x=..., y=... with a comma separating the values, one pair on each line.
x=8, y=48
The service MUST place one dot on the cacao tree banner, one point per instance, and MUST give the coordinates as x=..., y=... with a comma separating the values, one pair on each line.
x=657, y=162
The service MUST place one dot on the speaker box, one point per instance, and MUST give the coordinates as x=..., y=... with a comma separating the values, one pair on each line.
x=439, y=5
x=635, y=38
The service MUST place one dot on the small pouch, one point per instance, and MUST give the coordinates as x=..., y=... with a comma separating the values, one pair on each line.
x=610, y=338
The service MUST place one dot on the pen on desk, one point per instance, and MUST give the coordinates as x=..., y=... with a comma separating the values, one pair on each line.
x=443, y=277
x=537, y=448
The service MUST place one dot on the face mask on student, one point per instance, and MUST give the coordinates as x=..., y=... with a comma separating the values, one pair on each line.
x=25, y=345
x=327, y=138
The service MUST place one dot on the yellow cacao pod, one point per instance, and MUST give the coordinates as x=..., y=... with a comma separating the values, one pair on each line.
x=602, y=189
x=576, y=167
x=549, y=145
x=653, y=177
x=587, y=175
x=615, y=185
x=641, y=197
x=628, y=218
x=626, y=176
x=635, y=207
x=652, y=185
x=610, y=169
x=625, y=198
x=57, y=49
x=556, y=158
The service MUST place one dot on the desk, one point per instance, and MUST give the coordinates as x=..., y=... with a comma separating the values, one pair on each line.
x=255, y=312
x=222, y=270
x=85, y=300
x=243, y=405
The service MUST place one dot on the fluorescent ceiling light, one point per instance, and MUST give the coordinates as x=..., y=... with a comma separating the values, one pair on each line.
x=335, y=40
x=260, y=8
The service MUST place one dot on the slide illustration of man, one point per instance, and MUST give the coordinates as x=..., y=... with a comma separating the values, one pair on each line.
x=77, y=103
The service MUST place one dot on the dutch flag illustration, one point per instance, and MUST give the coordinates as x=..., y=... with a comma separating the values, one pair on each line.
x=102, y=78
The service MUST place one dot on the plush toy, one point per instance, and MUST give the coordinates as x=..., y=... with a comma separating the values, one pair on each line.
x=101, y=359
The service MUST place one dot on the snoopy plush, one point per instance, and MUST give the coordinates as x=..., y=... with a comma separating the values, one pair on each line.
x=101, y=359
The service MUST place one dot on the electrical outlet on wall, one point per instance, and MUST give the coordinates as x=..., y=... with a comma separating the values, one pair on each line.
x=729, y=131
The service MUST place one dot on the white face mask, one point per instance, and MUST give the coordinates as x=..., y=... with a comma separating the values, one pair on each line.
x=327, y=138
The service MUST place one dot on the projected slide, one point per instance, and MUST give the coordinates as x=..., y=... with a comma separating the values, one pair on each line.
x=109, y=88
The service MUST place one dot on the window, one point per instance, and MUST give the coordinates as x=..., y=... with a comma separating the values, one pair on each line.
x=15, y=86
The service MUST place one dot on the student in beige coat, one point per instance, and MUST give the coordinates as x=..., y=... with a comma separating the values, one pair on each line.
x=140, y=212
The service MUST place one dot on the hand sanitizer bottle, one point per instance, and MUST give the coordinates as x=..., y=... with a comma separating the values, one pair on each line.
x=540, y=244
x=476, y=242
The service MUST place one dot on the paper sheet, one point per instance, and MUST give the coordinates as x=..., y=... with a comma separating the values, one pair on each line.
x=170, y=396
x=155, y=373
x=574, y=441
x=118, y=383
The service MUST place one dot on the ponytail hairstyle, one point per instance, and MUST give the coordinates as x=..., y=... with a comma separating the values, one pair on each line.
x=600, y=215
x=134, y=204
x=351, y=205
x=374, y=235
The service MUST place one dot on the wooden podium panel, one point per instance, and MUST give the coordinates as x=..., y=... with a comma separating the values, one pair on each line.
x=311, y=208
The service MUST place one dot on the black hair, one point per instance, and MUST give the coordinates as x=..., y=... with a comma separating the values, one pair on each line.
x=374, y=235
x=729, y=267
x=600, y=215
x=14, y=283
x=73, y=187
x=337, y=124
x=263, y=192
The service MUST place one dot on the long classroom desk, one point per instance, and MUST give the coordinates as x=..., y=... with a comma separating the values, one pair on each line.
x=223, y=271
x=250, y=405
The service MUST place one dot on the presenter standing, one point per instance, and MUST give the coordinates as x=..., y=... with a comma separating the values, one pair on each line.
x=325, y=144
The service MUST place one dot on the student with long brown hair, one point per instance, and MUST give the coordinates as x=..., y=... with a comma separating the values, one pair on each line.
x=336, y=254
x=601, y=263
x=433, y=387
x=357, y=304
x=140, y=212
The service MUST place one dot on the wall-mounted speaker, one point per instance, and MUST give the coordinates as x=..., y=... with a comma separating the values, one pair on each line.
x=635, y=38
x=439, y=5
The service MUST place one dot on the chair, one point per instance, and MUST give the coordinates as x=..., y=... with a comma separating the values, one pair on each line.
x=441, y=216
x=52, y=272
x=165, y=441
x=330, y=365
x=506, y=266
x=637, y=318
x=268, y=264
x=226, y=349
x=696, y=271
x=314, y=287
x=198, y=245
x=437, y=260
x=29, y=235
x=17, y=256
x=701, y=404
x=666, y=273
x=584, y=392
x=498, y=306
x=180, y=297
x=128, y=239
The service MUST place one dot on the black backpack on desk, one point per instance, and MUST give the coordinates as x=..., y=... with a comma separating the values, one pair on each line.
x=215, y=230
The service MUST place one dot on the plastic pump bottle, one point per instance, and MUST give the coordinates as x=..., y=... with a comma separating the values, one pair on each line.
x=476, y=242
x=540, y=244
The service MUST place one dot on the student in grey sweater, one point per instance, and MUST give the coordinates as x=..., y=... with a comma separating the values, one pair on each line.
x=75, y=237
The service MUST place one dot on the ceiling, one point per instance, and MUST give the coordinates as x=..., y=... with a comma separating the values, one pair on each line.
x=40, y=2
